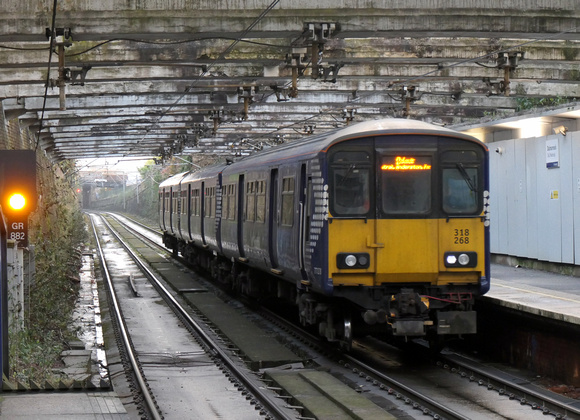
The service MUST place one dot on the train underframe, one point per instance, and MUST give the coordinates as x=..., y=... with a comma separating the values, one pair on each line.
x=396, y=313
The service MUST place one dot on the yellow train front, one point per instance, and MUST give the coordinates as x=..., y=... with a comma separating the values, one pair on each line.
x=400, y=229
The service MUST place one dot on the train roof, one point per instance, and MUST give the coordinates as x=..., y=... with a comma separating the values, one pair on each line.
x=172, y=180
x=204, y=173
x=312, y=145
x=315, y=144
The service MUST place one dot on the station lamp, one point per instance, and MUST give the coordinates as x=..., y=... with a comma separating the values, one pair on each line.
x=18, y=195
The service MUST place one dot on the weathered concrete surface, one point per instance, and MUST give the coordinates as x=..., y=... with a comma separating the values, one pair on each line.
x=165, y=77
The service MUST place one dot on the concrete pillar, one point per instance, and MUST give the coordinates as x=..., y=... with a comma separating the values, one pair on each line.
x=3, y=129
x=15, y=277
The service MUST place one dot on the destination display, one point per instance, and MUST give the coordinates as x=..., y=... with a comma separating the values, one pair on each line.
x=404, y=163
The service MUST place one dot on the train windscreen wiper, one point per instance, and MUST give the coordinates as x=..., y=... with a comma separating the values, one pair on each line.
x=348, y=172
x=466, y=177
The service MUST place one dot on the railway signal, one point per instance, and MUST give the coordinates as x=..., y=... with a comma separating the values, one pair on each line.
x=18, y=195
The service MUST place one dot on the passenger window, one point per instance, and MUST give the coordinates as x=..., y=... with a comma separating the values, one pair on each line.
x=287, y=201
x=350, y=183
x=250, y=201
x=183, y=202
x=406, y=184
x=260, y=201
x=230, y=202
x=175, y=201
x=195, y=207
x=209, y=202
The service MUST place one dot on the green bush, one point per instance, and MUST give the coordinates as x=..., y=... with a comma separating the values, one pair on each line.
x=57, y=230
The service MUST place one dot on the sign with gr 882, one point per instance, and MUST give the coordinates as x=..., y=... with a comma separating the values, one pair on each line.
x=18, y=232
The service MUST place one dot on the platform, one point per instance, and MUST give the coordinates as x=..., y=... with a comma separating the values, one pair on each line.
x=61, y=406
x=550, y=295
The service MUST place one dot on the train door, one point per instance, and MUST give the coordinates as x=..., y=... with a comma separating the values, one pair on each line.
x=273, y=219
x=240, y=215
x=162, y=209
x=304, y=190
x=172, y=209
x=406, y=229
x=188, y=212
x=178, y=211
x=202, y=212
x=167, y=209
x=181, y=207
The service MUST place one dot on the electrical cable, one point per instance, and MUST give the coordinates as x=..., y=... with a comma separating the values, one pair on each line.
x=6, y=47
x=52, y=41
x=416, y=78
x=212, y=65
x=235, y=42
x=185, y=41
x=470, y=60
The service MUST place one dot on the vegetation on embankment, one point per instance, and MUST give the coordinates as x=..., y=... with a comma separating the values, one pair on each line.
x=142, y=200
x=57, y=231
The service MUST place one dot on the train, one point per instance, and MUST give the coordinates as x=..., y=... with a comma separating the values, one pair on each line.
x=378, y=228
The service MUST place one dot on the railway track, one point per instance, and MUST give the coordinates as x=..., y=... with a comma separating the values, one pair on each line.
x=402, y=389
x=515, y=388
x=145, y=396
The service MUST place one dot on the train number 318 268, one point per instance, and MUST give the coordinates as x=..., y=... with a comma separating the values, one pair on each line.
x=461, y=236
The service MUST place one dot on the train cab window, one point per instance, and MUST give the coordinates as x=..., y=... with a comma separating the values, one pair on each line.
x=460, y=182
x=350, y=183
x=287, y=201
x=406, y=184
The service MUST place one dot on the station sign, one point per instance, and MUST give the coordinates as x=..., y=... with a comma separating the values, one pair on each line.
x=552, y=153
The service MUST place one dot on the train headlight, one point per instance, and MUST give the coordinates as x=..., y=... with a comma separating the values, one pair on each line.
x=460, y=259
x=450, y=259
x=350, y=260
x=353, y=260
x=463, y=259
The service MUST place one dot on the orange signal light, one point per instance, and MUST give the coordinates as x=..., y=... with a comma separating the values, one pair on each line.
x=17, y=201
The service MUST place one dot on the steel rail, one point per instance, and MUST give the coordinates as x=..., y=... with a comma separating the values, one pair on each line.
x=424, y=403
x=535, y=399
x=435, y=409
x=246, y=379
x=148, y=398
x=512, y=386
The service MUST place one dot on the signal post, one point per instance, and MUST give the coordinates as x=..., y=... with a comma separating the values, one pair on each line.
x=18, y=198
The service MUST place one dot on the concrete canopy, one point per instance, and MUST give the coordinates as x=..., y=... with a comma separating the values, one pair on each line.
x=166, y=77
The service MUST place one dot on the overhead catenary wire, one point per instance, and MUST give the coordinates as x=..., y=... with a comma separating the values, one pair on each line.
x=411, y=79
x=352, y=100
x=183, y=41
x=212, y=65
x=52, y=41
